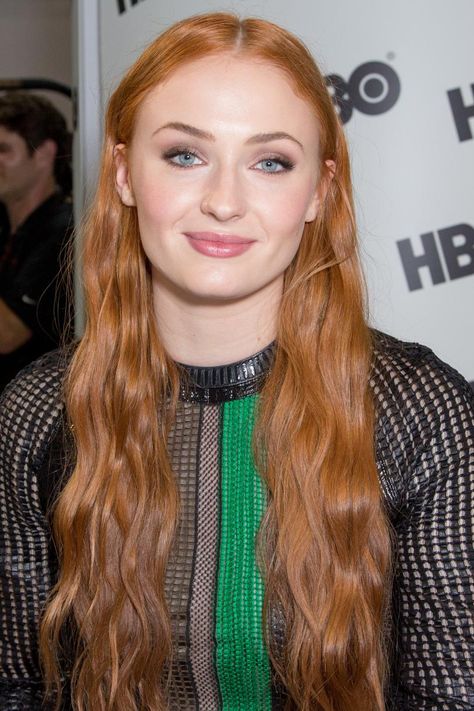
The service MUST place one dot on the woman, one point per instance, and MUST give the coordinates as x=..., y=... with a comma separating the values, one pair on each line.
x=228, y=530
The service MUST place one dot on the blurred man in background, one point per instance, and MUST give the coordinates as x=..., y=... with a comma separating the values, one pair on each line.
x=35, y=228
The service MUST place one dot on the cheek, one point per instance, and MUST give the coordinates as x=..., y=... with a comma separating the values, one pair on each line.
x=285, y=214
x=159, y=207
x=12, y=164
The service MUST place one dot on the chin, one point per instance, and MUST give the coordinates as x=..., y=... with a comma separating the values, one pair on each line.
x=217, y=296
x=222, y=291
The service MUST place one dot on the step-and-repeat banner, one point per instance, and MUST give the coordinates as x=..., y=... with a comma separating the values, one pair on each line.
x=402, y=76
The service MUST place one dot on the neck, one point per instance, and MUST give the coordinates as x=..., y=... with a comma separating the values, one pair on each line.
x=20, y=207
x=209, y=334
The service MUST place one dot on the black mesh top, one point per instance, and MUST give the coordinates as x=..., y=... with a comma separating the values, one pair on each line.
x=425, y=457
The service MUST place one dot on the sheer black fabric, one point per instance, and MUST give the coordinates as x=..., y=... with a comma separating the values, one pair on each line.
x=425, y=456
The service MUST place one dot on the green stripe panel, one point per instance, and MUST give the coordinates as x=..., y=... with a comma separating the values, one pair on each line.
x=242, y=663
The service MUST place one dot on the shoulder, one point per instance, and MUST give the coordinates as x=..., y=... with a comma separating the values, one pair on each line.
x=31, y=409
x=56, y=207
x=414, y=377
x=53, y=220
x=424, y=412
x=60, y=215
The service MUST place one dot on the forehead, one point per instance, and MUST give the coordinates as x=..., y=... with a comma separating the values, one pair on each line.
x=11, y=138
x=227, y=90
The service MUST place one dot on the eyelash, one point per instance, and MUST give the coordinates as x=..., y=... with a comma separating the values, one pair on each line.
x=168, y=156
x=177, y=151
x=286, y=164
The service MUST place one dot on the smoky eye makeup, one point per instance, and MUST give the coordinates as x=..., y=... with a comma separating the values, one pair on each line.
x=181, y=156
x=270, y=164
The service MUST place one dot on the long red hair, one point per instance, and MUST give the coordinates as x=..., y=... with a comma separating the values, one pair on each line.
x=324, y=543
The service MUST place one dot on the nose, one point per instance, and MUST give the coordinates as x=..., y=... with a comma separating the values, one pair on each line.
x=223, y=196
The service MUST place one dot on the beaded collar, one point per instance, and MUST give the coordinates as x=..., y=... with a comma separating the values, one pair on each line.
x=221, y=383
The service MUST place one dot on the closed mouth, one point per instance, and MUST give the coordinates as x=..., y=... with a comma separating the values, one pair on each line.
x=218, y=237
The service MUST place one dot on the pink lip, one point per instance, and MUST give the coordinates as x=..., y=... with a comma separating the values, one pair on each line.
x=215, y=244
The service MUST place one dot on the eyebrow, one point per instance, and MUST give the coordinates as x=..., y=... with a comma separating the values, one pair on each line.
x=199, y=133
x=274, y=136
x=186, y=128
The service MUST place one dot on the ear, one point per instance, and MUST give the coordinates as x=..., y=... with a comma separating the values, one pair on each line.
x=122, y=175
x=327, y=174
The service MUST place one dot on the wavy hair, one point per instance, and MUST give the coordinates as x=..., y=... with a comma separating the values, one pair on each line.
x=324, y=543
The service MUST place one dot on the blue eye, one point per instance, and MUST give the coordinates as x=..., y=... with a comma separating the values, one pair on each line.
x=185, y=159
x=274, y=165
x=182, y=158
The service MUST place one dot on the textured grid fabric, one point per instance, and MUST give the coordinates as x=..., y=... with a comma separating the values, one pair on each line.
x=183, y=447
x=201, y=615
x=425, y=446
x=425, y=455
x=242, y=662
x=29, y=420
x=225, y=663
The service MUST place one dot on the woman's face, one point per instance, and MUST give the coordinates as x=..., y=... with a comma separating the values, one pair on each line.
x=223, y=171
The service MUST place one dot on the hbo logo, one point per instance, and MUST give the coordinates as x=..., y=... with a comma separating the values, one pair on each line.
x=373, y=88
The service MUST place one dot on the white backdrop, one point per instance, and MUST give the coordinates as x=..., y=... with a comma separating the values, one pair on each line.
x=412, y=143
